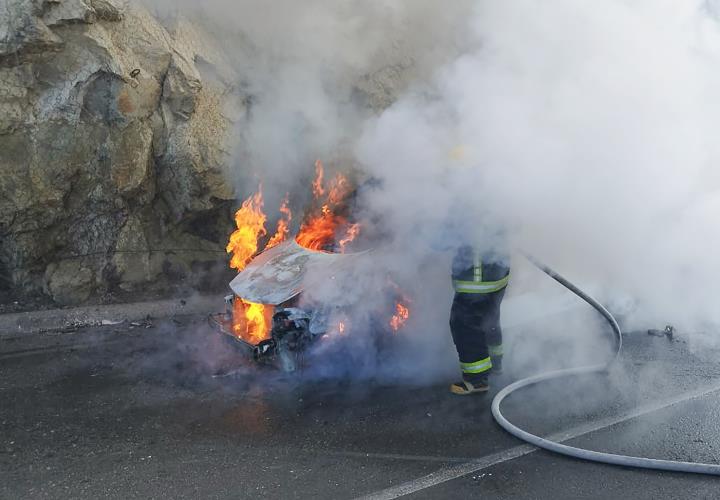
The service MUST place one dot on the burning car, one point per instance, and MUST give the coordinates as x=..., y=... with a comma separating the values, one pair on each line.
x=266, y=315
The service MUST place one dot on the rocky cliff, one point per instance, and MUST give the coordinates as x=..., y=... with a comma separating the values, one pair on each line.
x=120, y=128
x=112, y=149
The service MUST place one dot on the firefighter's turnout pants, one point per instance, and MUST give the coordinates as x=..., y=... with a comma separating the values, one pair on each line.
x=475, y=315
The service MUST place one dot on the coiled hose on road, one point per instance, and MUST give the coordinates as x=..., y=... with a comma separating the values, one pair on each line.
x=571, y=451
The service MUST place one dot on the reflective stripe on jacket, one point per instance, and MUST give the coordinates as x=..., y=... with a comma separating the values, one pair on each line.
x=472, y=275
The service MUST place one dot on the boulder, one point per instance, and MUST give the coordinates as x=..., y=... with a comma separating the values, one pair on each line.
x=69, y=282
x=131, y=168
x=57, y=12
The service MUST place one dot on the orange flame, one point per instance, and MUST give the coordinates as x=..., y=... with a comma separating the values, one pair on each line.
x=251, y=322
x=320, y=228
x=338, y=190
x=250, y=222
x=318, y=233
x=283, y=225
x=350, y=235
x=402, y=313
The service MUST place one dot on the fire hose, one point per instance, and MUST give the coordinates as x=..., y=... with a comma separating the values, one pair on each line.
x=571, y=451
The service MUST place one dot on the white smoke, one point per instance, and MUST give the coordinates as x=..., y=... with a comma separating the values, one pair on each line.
x=586, y=129
x=590, y=131
x=315, y=70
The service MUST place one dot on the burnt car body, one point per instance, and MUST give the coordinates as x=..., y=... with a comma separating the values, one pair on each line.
x=277, y=278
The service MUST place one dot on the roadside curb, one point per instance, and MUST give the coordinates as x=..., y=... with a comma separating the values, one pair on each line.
x=32, y=322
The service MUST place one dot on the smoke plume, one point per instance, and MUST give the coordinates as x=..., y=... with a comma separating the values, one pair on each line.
x=585, y=130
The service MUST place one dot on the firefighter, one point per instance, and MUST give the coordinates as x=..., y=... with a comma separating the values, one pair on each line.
x=480, y=277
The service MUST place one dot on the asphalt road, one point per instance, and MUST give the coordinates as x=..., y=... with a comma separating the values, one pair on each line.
x=120, y=412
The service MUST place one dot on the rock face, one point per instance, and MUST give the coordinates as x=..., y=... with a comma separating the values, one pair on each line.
x=115, y=133
x=112, y=150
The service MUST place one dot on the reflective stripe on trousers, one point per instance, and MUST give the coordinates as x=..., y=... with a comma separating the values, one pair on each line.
x=480, y=366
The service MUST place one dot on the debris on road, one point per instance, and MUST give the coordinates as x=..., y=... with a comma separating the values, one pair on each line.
x=106, y=322
x=668, y=332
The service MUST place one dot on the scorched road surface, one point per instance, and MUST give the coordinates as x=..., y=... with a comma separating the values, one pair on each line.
x=133, y=412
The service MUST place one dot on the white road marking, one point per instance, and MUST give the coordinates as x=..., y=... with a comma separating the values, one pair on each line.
x=449, y=473
x=397, y=456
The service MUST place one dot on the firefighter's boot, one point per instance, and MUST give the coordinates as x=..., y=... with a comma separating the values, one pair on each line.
x=466, y=387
